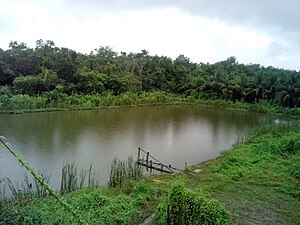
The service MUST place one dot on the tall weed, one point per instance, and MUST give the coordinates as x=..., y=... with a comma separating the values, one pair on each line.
x=122, y=171
x=73, y=178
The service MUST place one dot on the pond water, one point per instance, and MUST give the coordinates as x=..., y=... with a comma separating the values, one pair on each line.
x=173, y=134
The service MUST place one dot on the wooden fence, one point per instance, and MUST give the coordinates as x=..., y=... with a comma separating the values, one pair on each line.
x=151, y=163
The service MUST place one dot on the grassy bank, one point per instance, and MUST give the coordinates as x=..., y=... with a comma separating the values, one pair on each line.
x=62, y=102
x=257, y=182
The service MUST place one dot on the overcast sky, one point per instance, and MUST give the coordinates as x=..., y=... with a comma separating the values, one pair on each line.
x=255, y=31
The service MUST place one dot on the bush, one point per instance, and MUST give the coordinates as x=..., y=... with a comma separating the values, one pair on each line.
x=187, y=207
x=212, y=212
x=5, y=97
x=30, y=85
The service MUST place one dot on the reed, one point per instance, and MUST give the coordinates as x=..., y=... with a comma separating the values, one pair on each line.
x=2, y=191
x=243, y=137
x=121, y=171
x=93, y=177
x=68, y=178
x=18, y=192
x=73, y=178
x=277, y=127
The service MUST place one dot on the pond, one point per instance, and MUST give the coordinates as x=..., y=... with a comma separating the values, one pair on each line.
x=173, y=134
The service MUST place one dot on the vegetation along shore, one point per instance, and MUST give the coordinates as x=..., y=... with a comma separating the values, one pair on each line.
x=47, y=78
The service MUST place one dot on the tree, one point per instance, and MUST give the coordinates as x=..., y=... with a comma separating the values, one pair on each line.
x=88, y=81
x=30, y=85
x=50, y=79
x=21, y=60
x=5, y=97
x=7, y=76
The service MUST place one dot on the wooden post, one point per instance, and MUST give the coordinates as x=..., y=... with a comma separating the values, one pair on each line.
x=139, y=152
x=161, y=168
x=147, y=158
x=150, y=166
x=185, y=165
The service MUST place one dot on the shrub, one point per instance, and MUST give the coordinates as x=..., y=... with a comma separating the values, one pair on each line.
x=30, y=85
x=212, y=212
x=188, y=207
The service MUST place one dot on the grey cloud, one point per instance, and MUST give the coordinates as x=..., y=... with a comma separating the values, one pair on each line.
x=269, y=14
x=282, y=15
x=279, y=19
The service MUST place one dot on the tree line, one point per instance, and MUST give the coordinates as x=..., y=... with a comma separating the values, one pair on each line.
x=47, y=69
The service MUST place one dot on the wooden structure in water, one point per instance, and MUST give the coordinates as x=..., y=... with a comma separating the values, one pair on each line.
x=151, y=163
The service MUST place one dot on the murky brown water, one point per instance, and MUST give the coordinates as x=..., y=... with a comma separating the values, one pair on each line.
x=173, y=134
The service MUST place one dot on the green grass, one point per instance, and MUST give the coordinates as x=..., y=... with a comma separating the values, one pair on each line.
x=96, y=205
x=45, y=103
x=257, y=182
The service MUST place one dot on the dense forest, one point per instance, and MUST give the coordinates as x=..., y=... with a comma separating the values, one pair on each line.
x=50, y=71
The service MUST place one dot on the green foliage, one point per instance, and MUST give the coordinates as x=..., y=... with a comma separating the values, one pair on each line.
x=161, y=213
x=295, y=171
x=72, y=178
x=7, y=76
x=57, y=100
x=95, y=205
x=69, y=178
x=30, y=85
x=122, y=171
x=5, y=97
x=213, y=213
x=5, y=91
x=258, y=180
x=36, y=71
x=187, y=207
x=27, y=190
x=90, y=81
x=50, y=79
